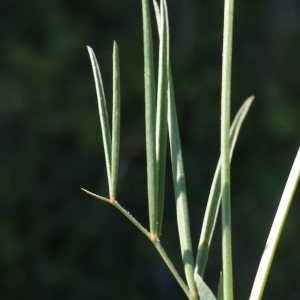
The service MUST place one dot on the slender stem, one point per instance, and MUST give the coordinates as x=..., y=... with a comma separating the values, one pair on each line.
x=225, y=150
x=122, y=210
x=267, y=257
x=155, y=242
x=168, y=262
x=214, y=199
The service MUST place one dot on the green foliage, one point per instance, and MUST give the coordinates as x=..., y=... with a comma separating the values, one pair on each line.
x=203, y=290
x=56, y=245
x=156, y=163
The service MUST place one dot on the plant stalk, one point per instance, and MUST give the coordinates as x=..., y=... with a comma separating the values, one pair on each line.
x=155, y=242
x=225, y=150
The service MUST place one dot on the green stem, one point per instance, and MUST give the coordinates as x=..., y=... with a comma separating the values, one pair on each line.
x=225, y=150
x=155, y=242
x=122, y=210
x=168, y=262
x=214, y=199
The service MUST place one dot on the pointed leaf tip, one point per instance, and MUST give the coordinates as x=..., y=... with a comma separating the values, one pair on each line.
x=203, y=290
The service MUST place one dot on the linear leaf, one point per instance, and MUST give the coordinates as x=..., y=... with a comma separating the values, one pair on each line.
x=157, y=15
x=103, y=114
x=214, y=199
x=115, y=122
x=183, y=222
x=275, y=232
x=220, y=288
x=150, y=119
x=203, y=290
x=161, y=118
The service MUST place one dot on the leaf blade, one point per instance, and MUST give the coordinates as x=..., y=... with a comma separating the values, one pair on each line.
x=102, y=114
x=116, y=115
x=204, y=291
x=161, y=118
x=276, y=229
x=182, y=212
x=220, y=288
x=149, y=78
x=214, y=199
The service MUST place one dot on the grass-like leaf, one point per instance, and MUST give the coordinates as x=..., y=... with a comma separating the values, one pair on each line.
x=178, y=169
x=103, y=115
x=183, y=222
x=214, y=199
x=150, y=119
x=274, y=235
x=157, y=15
x=115, y=122
x=220, y=287
x=203, y=290
x=161, y=117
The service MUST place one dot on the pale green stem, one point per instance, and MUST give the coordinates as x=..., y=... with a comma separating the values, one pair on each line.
x=155, y=242
x=225, y=150
x=214, y=199
x=168, y=262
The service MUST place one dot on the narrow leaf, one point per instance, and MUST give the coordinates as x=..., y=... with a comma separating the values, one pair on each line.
x=183, y=222
x=214, y=199
x=103, y=115
x=157, y=15
x=203, y=290
x=220, y=288
x=150, y=119
x=161, y=119
x=182, y=212
x=275, y=232
x=115, y=122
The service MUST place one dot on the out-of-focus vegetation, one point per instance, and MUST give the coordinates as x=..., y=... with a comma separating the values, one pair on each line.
x=58, y=243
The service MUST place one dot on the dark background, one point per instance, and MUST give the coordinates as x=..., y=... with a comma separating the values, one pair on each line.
x=57, y=242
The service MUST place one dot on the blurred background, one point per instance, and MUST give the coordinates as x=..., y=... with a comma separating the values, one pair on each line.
x=56, y=242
